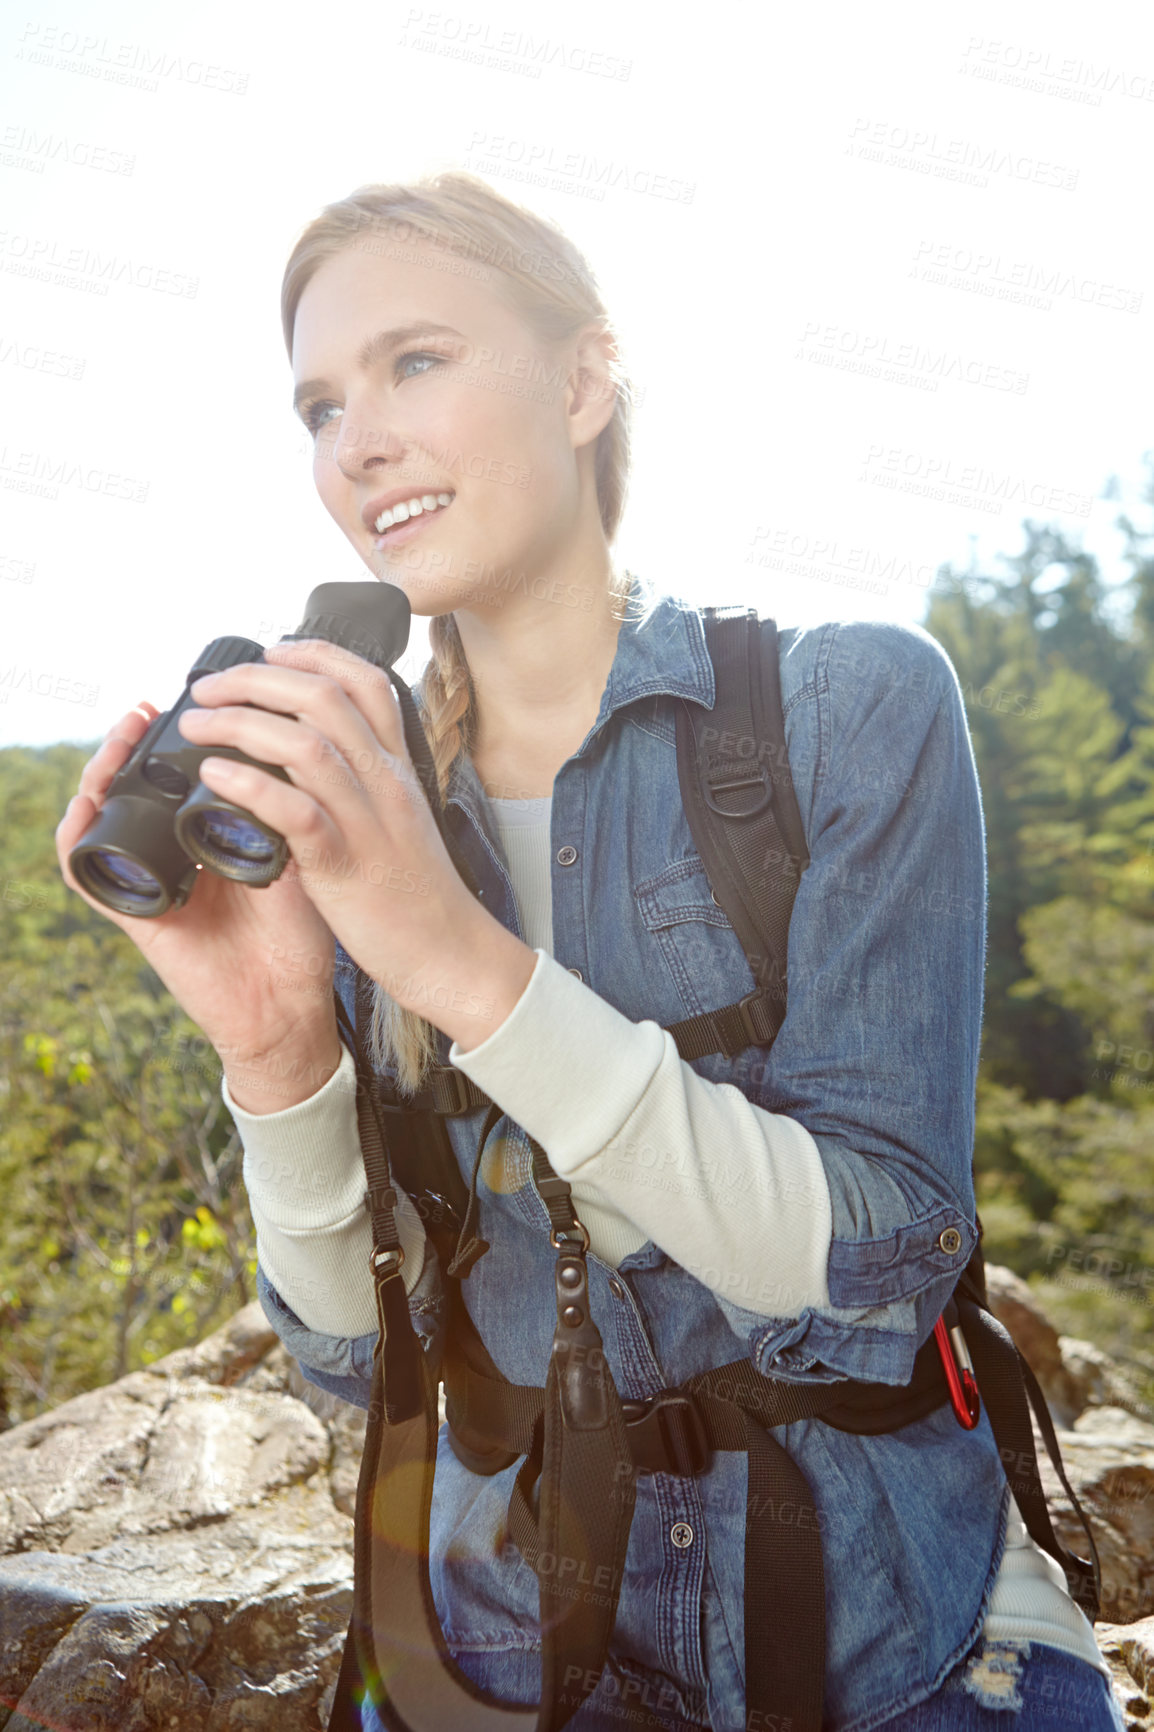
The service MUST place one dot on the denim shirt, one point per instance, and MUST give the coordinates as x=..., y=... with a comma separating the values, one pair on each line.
x=877, y=1058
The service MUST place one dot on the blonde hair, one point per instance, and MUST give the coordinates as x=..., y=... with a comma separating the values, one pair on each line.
x=548, y=283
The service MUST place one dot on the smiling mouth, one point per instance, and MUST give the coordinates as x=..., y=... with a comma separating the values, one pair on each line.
x=420, y=505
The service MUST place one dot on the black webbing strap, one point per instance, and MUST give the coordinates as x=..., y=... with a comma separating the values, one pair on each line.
x=728, y=1407
x=395, y=1340
x=587, y=1489
x=752, y=1021
x=738, y=795
x=1005, y=1379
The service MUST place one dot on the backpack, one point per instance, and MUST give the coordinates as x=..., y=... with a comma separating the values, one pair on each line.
x=583, y=1445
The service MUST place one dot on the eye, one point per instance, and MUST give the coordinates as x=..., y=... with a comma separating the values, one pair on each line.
x=315, y=415
x=416, y=355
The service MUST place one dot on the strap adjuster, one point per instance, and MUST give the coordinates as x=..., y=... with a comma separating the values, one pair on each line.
x=754, y=1017
x=715, y=783
x=449, y=1088
x=667, y=1434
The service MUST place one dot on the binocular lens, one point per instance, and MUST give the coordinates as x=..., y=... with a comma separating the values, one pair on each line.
x=225, y=833
x=132, y=883
x=232, y=844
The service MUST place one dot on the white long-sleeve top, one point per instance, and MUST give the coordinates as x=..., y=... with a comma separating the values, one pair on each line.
x=603, y=1085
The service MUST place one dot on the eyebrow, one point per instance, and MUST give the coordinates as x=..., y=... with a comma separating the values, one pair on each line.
x=375, y=349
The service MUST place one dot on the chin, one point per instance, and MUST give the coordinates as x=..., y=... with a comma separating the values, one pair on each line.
x=429, y=594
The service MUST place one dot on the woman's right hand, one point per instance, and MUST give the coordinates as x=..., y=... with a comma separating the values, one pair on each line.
x=252, y=968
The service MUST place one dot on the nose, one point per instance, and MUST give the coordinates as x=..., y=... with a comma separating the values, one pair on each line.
x=364, y=439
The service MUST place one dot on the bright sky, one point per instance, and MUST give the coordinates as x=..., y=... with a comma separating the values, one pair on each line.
x=883, y=276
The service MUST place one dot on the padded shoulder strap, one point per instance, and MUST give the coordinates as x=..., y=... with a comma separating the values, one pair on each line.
x=738, y=795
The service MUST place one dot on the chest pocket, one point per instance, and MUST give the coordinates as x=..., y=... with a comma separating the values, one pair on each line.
x=700, y=947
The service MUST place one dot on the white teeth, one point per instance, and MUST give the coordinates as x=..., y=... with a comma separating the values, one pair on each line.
x=412, y=508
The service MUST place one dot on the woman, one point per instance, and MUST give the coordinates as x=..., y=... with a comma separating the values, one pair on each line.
x=810, y=1207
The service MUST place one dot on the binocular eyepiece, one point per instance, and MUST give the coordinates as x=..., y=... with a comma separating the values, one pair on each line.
x=159, y=824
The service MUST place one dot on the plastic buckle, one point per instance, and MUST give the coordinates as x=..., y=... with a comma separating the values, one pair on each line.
x=453, y=1084
x=751, y=1010
x=668, y=1425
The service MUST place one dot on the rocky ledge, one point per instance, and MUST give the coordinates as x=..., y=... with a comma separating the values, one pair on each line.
x=176, y=1548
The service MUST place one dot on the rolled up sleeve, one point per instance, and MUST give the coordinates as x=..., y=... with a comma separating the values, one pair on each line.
x=878, y=1053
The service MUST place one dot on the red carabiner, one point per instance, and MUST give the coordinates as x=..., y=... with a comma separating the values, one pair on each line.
x=959, y=1370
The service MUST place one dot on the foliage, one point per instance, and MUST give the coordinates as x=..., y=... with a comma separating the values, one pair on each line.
x=126, y=1231
x=1057, y=671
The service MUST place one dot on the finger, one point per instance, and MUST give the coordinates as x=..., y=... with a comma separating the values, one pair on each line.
x=316, y=680
x=343, y=781
x=349, y=703
x=301, y=820
x=128, y=723
x=119, y=743
x=78, y=817
x=104, y=764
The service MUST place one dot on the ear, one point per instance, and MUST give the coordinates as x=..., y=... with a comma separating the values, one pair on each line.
x=590, y=388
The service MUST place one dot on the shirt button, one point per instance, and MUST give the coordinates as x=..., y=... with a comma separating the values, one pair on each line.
x=950, y=1240
x=681, y=1534
x=616, y=1288
x=575, y=971
x=566, y=855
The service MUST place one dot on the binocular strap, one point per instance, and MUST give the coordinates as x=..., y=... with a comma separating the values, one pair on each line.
x=401, y=1653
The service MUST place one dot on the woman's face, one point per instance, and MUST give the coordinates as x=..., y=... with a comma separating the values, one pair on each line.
x=421, y=385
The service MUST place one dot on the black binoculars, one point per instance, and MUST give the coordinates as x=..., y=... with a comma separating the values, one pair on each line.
x=159, y=824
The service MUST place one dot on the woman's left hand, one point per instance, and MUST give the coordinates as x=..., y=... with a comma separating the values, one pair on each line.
x=363, y=839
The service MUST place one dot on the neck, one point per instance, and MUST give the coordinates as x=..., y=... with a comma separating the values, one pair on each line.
x=539, y=666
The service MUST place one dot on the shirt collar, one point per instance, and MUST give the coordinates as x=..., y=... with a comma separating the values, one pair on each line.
x=661, y=649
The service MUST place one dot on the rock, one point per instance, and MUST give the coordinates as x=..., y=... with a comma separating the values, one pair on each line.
x=1073, y=1374
x=179, y=1544
x=1015, y=1305
x=1129, y=1650
x=1099, y=1380
x=1109, y=1461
